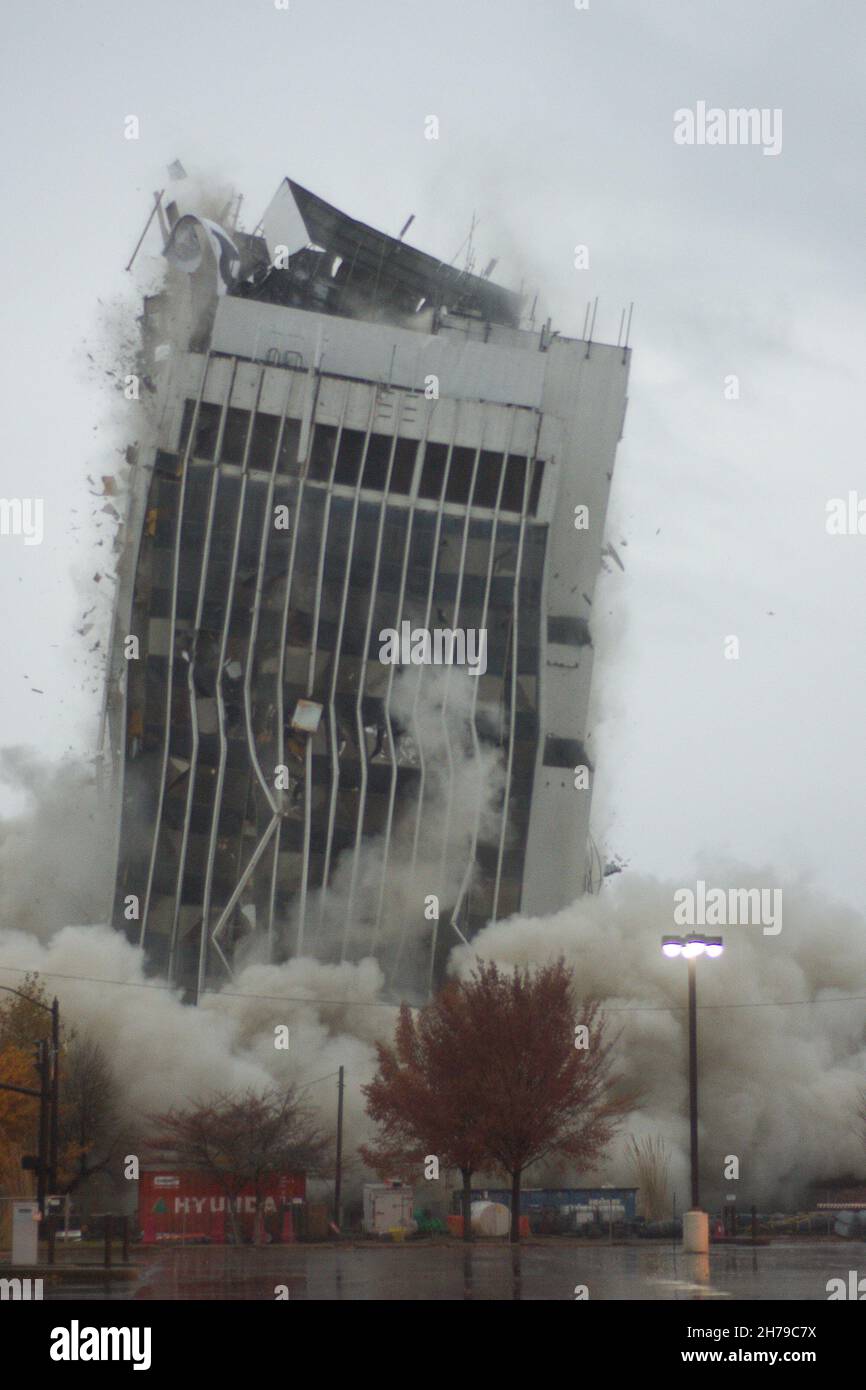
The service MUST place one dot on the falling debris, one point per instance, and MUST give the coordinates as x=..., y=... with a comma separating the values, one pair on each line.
x=609, y=550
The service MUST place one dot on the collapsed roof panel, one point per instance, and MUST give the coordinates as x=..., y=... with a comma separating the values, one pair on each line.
x=366, y=270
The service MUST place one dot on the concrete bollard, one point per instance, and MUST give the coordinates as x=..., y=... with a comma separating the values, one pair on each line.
x=696, y=1232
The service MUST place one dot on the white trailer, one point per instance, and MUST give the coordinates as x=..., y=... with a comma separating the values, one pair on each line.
x=387, y=1205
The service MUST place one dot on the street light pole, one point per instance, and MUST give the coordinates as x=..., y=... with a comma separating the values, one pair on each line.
x=695, y=1221
x=338, y=1176
x=44, y=1108
x=693, y=1081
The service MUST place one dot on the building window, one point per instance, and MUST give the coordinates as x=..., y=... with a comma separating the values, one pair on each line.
x=266, y=428
x=207, y=428
x=322, y=453
x=569, y=632
x=235, y=435
x=288, y=462
x=376, y=463
x=433, y=472
x=487, y=479
x=460, y=475
x=535, y=487
x=349, y=457
x=515, y=483
x=404, y=466
x=565, y=752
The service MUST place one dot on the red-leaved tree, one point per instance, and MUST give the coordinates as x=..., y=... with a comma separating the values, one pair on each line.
x=543, y=1088
x=423, y=1097
x=493, y=1073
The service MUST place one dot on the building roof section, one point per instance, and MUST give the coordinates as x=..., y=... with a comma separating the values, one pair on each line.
x=365, y=271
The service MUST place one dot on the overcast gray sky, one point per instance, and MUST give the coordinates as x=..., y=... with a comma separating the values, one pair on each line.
x=555, y=129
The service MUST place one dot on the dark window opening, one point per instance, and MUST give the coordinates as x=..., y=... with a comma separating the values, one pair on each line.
x=487, y=479
x=569, y=632
x=565, y=752
x=376, y=462
x=266, y=428
x=514, y=484
x=186, y=422
x=235, y=435
x=460, y=475
x=404, y=466
x=322, y=453
x=207, y=428
x=349, y=458
x=289, y=446
x=165, y=464
x=430, y=486
x=535, y=486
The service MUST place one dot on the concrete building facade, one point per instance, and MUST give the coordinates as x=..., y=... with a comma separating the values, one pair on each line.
x=329, y=463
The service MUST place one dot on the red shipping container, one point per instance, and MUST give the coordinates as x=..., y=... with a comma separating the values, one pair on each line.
x=176, y=1204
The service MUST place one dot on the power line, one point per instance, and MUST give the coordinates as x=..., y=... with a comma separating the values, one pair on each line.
x=307, y=1084
x=758, y=1004
x=385, y=1004
x=217, y=993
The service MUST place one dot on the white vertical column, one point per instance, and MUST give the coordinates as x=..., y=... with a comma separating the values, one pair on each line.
x=464, y=886
x=515, y=636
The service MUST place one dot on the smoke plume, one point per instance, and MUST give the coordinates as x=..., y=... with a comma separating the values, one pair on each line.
x=782, y=1056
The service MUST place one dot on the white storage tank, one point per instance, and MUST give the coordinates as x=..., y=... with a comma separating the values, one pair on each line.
x=490, y=1219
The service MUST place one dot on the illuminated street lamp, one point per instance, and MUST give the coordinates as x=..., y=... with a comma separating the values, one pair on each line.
x=696, y=1230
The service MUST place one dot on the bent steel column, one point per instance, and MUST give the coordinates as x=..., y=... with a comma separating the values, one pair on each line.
x=171, y=641
x=221, y=715
x=190, y=680
x=419, y=742
x=359, y=717
x=392, y=793
x=335, y=765
x=461, y=568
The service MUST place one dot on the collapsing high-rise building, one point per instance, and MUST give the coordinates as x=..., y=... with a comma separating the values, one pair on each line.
x=362, y=460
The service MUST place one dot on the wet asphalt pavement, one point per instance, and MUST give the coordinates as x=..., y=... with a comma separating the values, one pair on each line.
x=433, y=1272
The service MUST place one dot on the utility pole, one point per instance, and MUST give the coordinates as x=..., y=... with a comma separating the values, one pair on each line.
x=48, y=1096
x=55, y=1094
x=44, y=1115
x=338, y=1178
